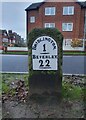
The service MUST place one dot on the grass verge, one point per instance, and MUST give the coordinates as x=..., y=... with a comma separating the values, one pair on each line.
x=64, y=53
x=16, y=53
x=72, y=92
x=74, y=53
x=69, y=91
x=7, y=80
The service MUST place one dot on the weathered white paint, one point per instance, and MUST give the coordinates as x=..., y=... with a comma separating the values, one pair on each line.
x=44, y=53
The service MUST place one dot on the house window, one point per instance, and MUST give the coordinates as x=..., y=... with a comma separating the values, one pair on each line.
x=49, y=25
x=50, y=10
x=67, y=26
x=32, y=19
x=13, y=41
x=67, y=42
x=68, y=10
x=5, y=34
x=14, y=37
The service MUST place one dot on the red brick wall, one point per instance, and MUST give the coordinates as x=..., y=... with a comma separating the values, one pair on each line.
x=82, y=21
x=59, y=18
x=38, y=22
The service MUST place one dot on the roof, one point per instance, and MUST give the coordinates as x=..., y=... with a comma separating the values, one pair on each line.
x=82, y=4
x=0, y=31
x=34, y=6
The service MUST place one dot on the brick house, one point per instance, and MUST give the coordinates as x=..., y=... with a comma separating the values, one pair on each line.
x=10, y=38
x=68, y=17
x=3, y=37
x=0, y=38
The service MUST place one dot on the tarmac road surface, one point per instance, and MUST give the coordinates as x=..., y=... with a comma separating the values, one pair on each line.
x=19, y=64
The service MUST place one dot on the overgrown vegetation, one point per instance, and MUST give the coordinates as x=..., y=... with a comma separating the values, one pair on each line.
x=8, y=79
x=69, y=91
x=77, y=42
x=0, y=84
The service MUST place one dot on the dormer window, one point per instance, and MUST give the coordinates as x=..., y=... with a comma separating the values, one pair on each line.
x=50, y=10
x=32, y=19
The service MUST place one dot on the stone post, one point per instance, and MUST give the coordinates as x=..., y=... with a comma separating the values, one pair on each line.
x=45, y=61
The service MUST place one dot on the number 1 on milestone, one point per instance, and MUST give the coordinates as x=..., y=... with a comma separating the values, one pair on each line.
x=44, y=48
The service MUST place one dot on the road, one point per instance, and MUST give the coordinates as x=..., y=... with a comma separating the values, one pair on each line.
x=14, y=63
x=19, y=63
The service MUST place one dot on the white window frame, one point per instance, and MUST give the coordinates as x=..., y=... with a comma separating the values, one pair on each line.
x=14, y=41
x=67, y=42
x=5, y=34
x=49, y=25
x=50, y=10
x=66, y=25
x=32, y=19
x=68, y=10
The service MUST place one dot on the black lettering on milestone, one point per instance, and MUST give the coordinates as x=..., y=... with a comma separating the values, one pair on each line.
x=37, y=57
x=42, y=57
x=46, y=56
x=53, y=44
x=51, y=41
x=33, y=48
x=38, y=40
x=54, y=47
x=46, y=38
x=35, y=45
x=34, y=56
x=55, y=56
x=43, y=39
x=52, y=56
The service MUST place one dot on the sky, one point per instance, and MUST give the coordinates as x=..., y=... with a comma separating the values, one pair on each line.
x=13, y=15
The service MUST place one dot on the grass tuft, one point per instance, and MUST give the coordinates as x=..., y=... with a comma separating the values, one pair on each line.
x=72, y=92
